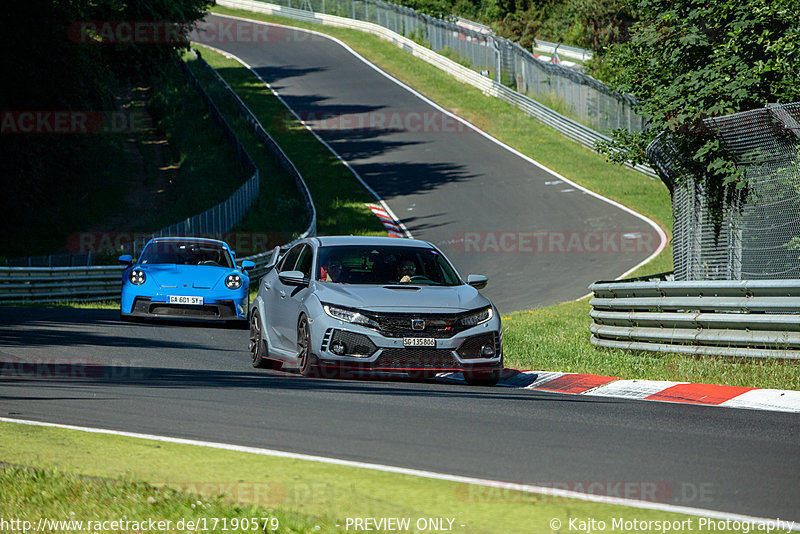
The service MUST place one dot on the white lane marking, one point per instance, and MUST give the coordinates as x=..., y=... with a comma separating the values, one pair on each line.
x=528, y=488
x=632, y=389
x=543, y=377
x=662, y=236
x=766, y=399
x=371, y=191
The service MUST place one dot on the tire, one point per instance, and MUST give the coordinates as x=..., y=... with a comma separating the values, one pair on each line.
x=258, y=346
x=483, y=378
x=306, y=361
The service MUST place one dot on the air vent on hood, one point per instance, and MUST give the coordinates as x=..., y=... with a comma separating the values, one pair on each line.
x=414, y=288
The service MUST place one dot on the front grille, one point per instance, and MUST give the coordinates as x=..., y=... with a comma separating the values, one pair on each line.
x=470, y=349
x=428, y=359
x=355, y=344
x=223, y=310
x=399, y=325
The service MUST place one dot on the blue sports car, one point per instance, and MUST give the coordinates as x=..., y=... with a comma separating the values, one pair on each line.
x=186, y=278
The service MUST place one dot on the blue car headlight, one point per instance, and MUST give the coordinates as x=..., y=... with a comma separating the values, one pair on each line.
x=233, y=281
x=137, y=277
x=349, y=316
x=478, y=317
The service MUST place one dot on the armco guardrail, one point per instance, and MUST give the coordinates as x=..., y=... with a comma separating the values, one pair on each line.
x=581, y=54
x=55, y=284
x=574, y=130
x=757, y=318
x=42, y=285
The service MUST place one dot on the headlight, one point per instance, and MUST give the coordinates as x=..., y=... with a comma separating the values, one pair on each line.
x=137, y=277
x=349, y=316
x=233, y=281
x=478, y=317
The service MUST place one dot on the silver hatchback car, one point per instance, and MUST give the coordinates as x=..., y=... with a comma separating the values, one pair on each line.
x=376, y=305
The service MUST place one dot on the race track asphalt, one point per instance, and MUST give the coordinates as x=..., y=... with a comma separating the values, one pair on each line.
x=196, y=382
x=539, y=240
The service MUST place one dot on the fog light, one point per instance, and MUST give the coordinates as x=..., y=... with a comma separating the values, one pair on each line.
x=487, y=351
x=338, y=348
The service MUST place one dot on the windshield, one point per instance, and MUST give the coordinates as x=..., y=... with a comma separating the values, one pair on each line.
x=384, y=265
x=186, y=253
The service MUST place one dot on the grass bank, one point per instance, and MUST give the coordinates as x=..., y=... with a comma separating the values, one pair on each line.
x=131, y=478
x=339, y=198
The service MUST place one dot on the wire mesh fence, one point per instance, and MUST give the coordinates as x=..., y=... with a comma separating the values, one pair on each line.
x=584, y=98
x=759, y=238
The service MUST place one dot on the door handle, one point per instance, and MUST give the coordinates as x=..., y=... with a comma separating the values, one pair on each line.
x=283, y=294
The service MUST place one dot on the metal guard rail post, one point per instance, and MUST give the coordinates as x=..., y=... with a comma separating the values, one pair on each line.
x=752, y=318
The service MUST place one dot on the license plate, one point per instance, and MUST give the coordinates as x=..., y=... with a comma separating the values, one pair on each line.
x=419, y=342
x=181, y=299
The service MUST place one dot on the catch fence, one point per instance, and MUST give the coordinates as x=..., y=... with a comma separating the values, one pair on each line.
x=758, y=237
x=584, y=98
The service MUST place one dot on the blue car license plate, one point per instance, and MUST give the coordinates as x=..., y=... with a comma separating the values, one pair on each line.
x=182, y=299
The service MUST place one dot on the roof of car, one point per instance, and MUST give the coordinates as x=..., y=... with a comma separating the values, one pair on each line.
x=370, y=241
x=199, y=240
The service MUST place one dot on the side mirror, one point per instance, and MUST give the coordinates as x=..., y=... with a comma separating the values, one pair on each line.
x=293, y=278
x=126, y=259
x=247, y=265
x=478, y=281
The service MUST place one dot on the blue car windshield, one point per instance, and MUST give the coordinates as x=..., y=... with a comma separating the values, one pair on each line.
x=186, y=253
x=357, y=264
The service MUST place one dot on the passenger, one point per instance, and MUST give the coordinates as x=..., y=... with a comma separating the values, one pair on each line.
x=331, y=270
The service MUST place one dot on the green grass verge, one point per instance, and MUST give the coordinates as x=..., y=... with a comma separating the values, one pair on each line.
x=275, y=211
x=338, y=196
x=196, y=482
x=556, y=338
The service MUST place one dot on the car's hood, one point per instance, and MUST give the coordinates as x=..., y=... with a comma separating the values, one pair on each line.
x=411, y=298
x=196, y=276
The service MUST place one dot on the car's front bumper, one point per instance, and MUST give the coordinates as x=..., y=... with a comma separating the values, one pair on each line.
x=232, y=306
x=370, y=350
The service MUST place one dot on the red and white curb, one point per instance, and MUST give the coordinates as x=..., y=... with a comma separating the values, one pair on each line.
x=389, y=222
x=652, y=390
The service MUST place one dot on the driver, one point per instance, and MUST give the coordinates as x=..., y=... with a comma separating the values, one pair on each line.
x=405, y=270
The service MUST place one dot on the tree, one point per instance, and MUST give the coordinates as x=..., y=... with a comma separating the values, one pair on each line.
x=688, y=60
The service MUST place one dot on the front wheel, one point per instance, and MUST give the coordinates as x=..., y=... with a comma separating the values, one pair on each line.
x=258, y=346
x=306, y=361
